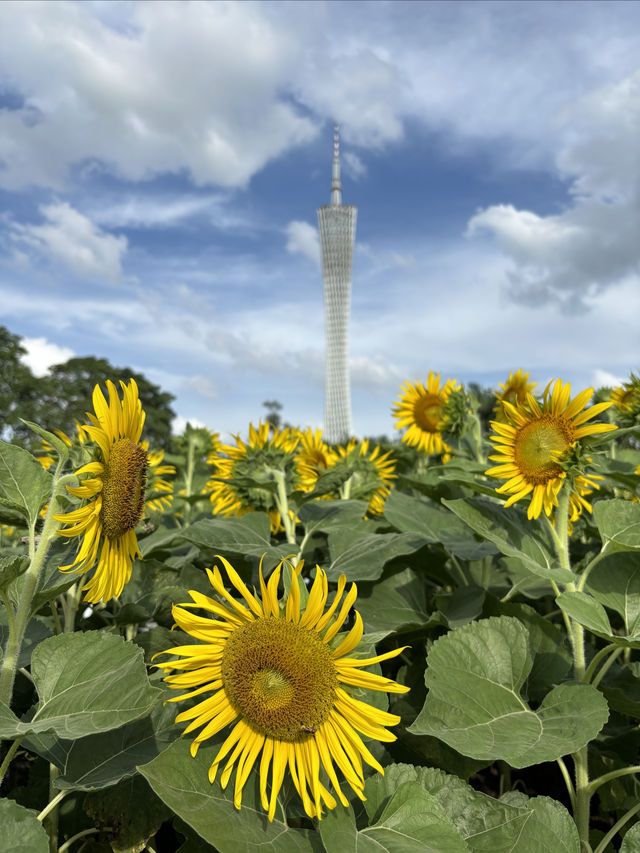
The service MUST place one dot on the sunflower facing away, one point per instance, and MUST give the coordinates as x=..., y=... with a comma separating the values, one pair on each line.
x=113, y=495
x=159, y=490
x=312, y=458
x=420, y=409
x=235, y=488
x=274, y=671
x=372, y=470
x=514, y=391
x=531, y=445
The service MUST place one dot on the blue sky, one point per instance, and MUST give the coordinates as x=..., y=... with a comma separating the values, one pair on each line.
x=161, y=164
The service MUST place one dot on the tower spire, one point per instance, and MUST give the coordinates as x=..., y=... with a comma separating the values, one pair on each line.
x=336, y=186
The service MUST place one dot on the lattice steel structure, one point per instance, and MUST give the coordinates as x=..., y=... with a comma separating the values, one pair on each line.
x=337, y=224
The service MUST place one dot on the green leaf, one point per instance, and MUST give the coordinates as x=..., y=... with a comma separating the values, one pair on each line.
x=22, y=832
x=248, y=535
x=586, y=611
x=618, y=522
x=36, y=631
x=549, y=825
x=364, y=558
x=25, y=486
x=128, y=813
x=462, y=605
x=514, y=534
x=615, y=582
x=323, y=515
x=398, y=600
x=621, y=687
x=631, y=840
x=486, y=824
x=159, y=540
x=182, y=783
x=11, y=567
x=86, y=683
x=475, y=674
x=101, y=760
x=412, y=821
x=436, y=524
x=55, y=441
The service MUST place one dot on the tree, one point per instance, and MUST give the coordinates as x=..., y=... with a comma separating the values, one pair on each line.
x=19, y=389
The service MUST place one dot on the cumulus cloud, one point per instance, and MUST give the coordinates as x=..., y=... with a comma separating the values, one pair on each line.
x=303, y=239
x=603, y=378
x=42, y=354
x=567, y=258
x=74, y=240
x=179, y=424
x=202, y=385
x=354, y=167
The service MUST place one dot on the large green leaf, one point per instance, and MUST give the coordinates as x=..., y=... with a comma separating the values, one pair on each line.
x=103, y=759
x=182, y=783
x=514, y=534
x=398, y=600
x=615, y=582
x=86, y=683
x=412, y=821
x=25, y=486
x=363, y=558
x=631, y=840
x=618, y=522
x=248, y=536
x=475, y=675
x=487, y=825
x=418, y=515
x=587, y=611
x=323, y=515
x=22, y=832
x=36, y=631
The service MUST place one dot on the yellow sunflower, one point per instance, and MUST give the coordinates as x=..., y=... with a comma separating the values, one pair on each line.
x=113, y=495
x=159, y=489
x=235, y=487
x=514, y=391
x=277, y=674
x=312, y=458
x=420, y=409
x=626, y=398
x=533, y=442
x=371, y=473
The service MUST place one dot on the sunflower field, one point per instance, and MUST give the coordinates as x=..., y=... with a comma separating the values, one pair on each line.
x=428, y=644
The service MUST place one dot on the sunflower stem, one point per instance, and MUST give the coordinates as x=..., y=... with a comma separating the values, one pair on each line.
x=31, y=581
x=595, y=660
x=9, y=757
x=50, y=823
x=282, y=503
x=616, y=828
x=188, y=478
x=582, y=806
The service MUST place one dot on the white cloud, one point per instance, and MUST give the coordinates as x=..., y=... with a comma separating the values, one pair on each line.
x=354, y=167
x=42, y=354
x=303, y=239
x=603, y=378
x=72, y=239
x=569, y=257
x=179, y=424
x=202, y=385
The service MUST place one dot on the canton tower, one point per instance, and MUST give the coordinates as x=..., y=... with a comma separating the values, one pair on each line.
x=337, y=224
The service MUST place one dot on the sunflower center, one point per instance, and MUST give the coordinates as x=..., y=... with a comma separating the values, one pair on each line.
x=124, y=481
x=538, y=445
x=280, y=677
x=426, y=412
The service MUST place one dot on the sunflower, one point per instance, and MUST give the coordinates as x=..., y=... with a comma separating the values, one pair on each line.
x=313, y=457
x=159, y=491
x=514, y=391
x=370, y=473
x=626, y=399
x=420, y=410
x=236, y=487
x=113, y=495
x=533, y=442
x=46, y=459
x=278, y=675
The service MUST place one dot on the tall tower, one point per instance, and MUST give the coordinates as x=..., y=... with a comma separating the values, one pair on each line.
x=337, y=224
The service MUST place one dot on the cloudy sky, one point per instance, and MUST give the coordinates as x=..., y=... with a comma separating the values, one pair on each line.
x=161, y=164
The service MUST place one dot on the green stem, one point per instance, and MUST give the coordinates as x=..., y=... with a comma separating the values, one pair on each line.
x=584, y=576
x=605, y=666
x=9, y=757
x=616, y=828
x=595, y=660
x=50, y=821
x=82, y=834
x=567, y=781
x=70, y=604
x=52, y=804
x=576, y=634
x=345, y=489
x=283, y=506
x=477, y=439
x=458, y=568
x=56, y=619
x=31, y=581
x=188, y=478
x=609, y=777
